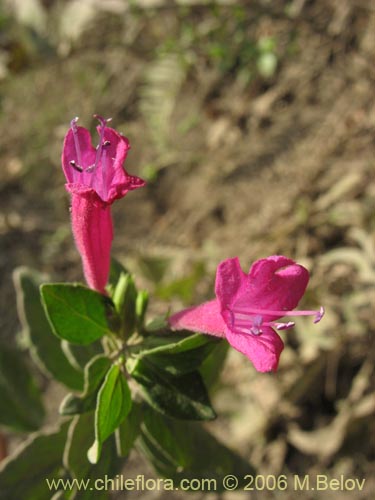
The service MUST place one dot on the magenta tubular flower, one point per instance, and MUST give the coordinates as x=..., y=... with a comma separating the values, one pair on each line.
x=247, y=307
x=95, y=178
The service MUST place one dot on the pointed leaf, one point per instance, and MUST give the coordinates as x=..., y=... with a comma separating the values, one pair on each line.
x=128, y=430
x=95, y=372
x=24, y=474
x=141, y=305
x=113, y=404
x=183, y=397
x=213, y=364
x=80, y=437
x=124, y=298
x=179, y=450
x=78, y=355
x=115, y=272
x=182, y=356
x=75, y=405
x=44, y=347
x=21, y=405
x=76, y=313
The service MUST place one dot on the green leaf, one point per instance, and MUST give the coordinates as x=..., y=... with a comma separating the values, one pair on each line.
x=78, y=355
x=61, y=495
x=21, y=405
x=141, y=305
x=80, y=437
x=182, y=355
x=183, y=288
x=95, y=372
x=154, y=268
x=115, y=272
x=76, y=313
x=183, y=397
x=177, y=343
x=128, y=430
x=213, y=364
x=44, y=347
x=113, y=404
x=24, y=474
x=179, y=450
x=159, y=323
x=124, y=298
x=75, y=405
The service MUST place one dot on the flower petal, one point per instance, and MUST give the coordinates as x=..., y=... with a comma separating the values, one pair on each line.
x=263, y=350
x=69, y=153
x=276, y=283
x=230, y=279
x=93, y=234
x=109, y=178
x=119, y=182
x=205, y=318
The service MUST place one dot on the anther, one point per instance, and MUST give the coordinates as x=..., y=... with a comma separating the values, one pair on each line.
x=285, y=326
x=77, y=147
x=319, y=315
x=256, y=325
x=102, y=120
x=102, y=142
x=73, y=164
x=251, y=320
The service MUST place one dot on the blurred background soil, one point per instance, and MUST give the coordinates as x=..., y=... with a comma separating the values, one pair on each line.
x=253, y=123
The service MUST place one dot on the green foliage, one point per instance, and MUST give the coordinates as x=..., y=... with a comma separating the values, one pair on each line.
x=44, y=347
x=211, y=366
x=153, y=268
x=162, y=84
x=80, y=437
x=79, y=355
x=128, y=431
x=113, y=404
x=267, y=59
x=181, y=450
x=115, y=272
x=124, y=298
x=141, y=304
x=24, y=474
x=95, y=372
x=76, y=313
x=183, y=396
x=208, y=37
x=179, y=355
x=184, y=287
x=104, y=343
x=21, y=406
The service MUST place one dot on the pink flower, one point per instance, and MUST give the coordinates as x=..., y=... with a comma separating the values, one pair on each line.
x=247, y=306
x=95, y=178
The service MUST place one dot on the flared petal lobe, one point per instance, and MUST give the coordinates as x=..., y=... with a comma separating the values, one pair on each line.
x=230, y=281
x=263, y=350
x=99, y=169
x=274, y=283
x=78, y=148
